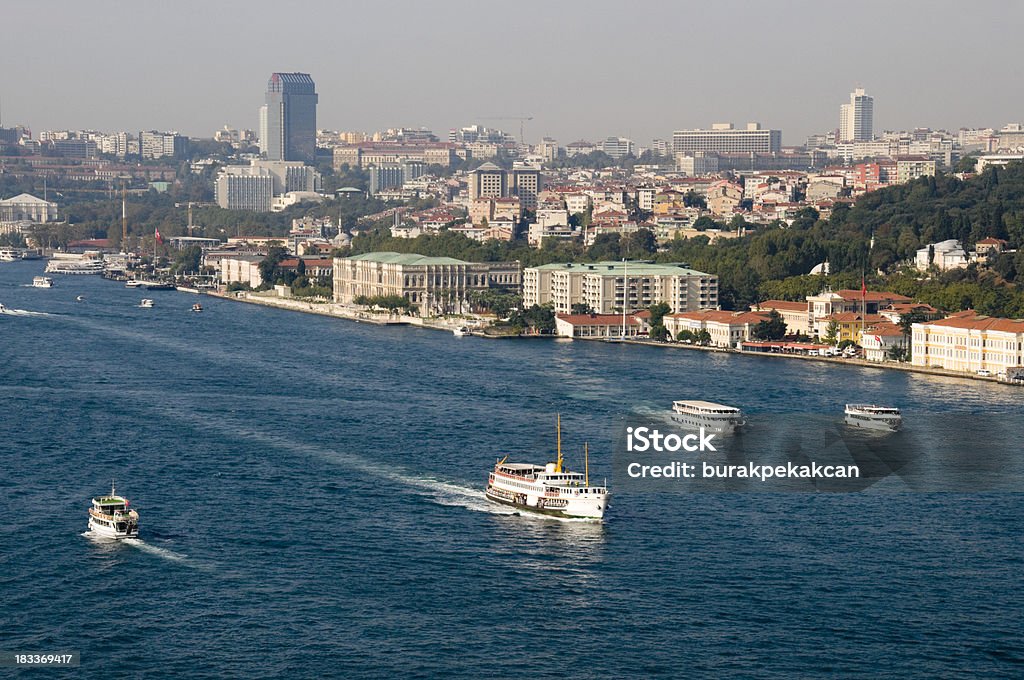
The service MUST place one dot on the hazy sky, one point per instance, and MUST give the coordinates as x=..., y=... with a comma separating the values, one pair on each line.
x=581, y=69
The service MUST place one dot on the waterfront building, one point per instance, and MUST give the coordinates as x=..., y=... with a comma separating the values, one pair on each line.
x=847, y=300
x=969, y=342
x=727, y=329
x=244, y=269
x=794, y=314
x=724, y=138
x=856, y=119
x=27, y=208
x=602, y=286
x=288, y=118
x=432, y=284
x=597, y=325
x=848, y=325
x=879, y=339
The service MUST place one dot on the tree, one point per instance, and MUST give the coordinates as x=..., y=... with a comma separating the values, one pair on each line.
x=659, y=333
x=581, y=308
x=772, y=328
x=658, y=312
x=831, y=333
x=702, y=337
x=685, y=335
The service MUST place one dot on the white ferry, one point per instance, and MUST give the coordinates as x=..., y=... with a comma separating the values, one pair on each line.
x=42, y=282
x=62, y=263
x=715, y=418
x=10, y=254
x=548, y=489
x=872, y=417
x=110, y=517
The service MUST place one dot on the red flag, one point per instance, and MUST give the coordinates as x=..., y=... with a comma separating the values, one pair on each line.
x=863, y=288
x=159, y=239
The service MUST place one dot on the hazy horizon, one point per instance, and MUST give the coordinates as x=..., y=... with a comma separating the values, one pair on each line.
x=581, y=70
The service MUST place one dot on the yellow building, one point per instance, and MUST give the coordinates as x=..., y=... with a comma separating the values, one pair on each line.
x=969, y=342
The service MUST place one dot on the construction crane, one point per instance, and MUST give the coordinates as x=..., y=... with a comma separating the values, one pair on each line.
x=522, y=123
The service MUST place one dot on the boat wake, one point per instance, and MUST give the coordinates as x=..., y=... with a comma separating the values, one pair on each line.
x=156, y=550
x=138, y=543
x=20, y=312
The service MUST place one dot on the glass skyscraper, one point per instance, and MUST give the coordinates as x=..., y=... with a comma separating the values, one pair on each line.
x=288, y=119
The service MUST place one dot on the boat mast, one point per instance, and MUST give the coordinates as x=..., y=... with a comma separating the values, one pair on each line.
x=558, y=430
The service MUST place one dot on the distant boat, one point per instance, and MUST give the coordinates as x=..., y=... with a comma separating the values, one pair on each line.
x=110, y=517
x=873, y=417
x=146, y=303
x=42, y=282
x=197, y=307
x=79, y=298
x=132, y=283
x=717, y=418
x=459, y=332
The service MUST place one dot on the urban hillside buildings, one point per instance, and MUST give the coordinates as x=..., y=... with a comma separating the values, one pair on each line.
x=601, y=285
x=288, y=118
x=255, y=186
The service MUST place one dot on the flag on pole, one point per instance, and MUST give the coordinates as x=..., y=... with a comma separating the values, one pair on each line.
x=159, y=239
x=863, y=287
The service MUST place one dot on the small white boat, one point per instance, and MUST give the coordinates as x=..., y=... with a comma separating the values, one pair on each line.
x=706, y=415
x=459, y=332
x=42, y=282
x=133, y=283
x=110, y=517
x=197, y=307
x=146, y=303
x=79, y=298
x=874, y=417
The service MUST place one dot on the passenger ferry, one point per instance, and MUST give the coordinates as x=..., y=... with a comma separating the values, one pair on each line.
x=714, y=418
x=548, y=489
x=42, y=282
x=110, y=517
x=872, y=417
x=10, y=254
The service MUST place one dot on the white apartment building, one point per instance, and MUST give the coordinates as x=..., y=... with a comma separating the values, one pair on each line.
x=605, y=286
x=856, y=119
x=970, y=343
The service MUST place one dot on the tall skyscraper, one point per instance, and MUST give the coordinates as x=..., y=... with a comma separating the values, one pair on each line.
x=856, y=119
x=288, y=119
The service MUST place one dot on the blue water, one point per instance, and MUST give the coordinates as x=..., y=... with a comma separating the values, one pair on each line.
x=310, y=493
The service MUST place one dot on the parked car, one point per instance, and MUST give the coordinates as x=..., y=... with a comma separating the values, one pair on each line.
x=984, y=373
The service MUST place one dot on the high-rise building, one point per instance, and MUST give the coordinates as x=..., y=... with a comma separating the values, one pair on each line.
x=856, y=119
x=524, y=181
x=288, y=119
x=154, y=144
x=724, y=138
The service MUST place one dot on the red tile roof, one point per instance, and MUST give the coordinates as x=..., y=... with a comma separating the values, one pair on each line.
x=598, y=319
x=786, y=305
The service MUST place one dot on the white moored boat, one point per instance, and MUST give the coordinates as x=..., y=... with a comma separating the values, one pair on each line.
x=110, y=517
x=714, y=418
x=42, y=282
x=547, y=489
x=873, y=417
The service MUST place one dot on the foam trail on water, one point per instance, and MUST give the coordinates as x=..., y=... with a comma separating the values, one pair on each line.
x=161, y=552
x=21, y=312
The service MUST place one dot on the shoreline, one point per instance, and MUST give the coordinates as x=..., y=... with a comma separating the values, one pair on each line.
x=339, y=311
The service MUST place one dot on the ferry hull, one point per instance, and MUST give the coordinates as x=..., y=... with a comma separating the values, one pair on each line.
x=569, y=512
x=110, y=532
x=873, y=425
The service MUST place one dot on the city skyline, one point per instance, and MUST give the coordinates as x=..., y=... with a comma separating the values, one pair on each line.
x=580, y=71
